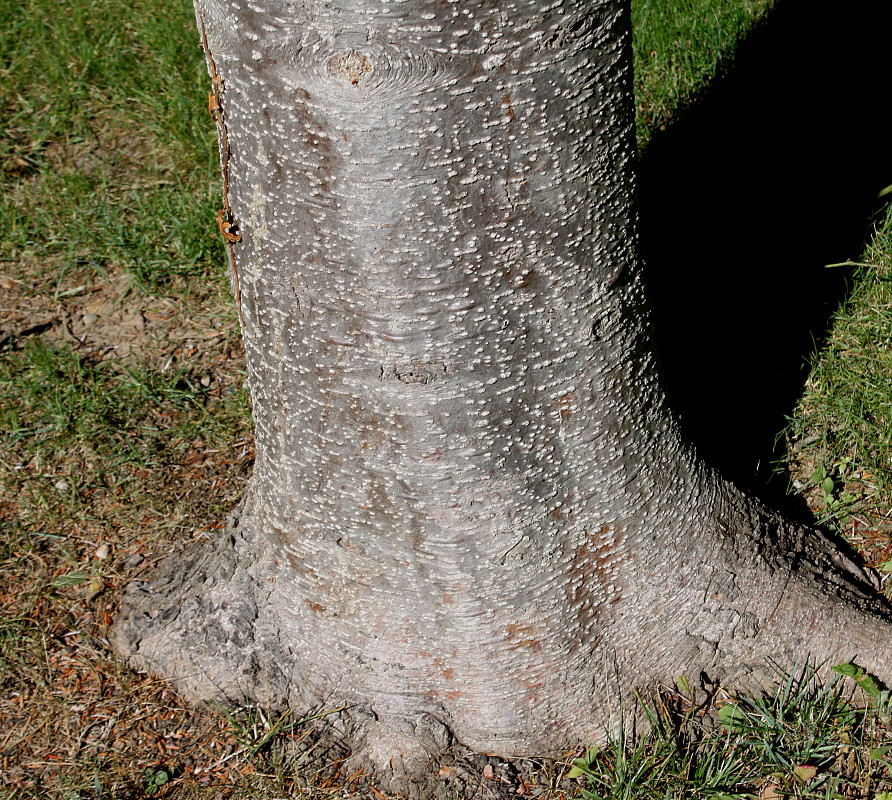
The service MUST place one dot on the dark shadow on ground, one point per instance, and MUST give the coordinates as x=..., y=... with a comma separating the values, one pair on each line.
x=772, y=174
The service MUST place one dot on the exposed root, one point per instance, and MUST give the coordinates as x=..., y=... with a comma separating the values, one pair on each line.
x=457, y=774
x=197, y=624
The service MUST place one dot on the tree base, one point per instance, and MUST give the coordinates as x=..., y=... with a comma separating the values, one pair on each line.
x=207, y=624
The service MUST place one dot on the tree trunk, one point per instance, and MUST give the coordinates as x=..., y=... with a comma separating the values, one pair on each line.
x=472, y=518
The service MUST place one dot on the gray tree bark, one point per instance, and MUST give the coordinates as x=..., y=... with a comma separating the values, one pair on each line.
x=472, y=519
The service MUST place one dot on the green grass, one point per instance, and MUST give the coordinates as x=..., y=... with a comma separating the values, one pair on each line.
x=53, y=401
x=805, y=739
x=680, y=47
x=106, y=157
x=843, y=423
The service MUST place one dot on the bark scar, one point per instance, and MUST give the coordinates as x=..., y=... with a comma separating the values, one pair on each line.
x=224, y=216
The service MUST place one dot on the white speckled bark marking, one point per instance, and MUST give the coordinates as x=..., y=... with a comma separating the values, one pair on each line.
x=471, y=514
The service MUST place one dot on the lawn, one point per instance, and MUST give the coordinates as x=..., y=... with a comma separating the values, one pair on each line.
x=126, y=427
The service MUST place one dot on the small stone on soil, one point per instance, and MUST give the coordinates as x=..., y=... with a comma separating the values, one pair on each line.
x=133, y=560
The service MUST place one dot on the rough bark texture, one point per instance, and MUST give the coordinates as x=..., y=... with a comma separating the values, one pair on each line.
x=472, y=520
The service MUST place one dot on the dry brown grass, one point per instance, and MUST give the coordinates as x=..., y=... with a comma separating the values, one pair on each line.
x=73, y=718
